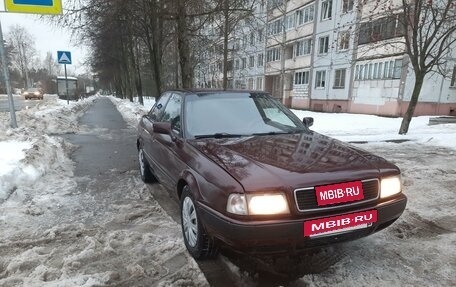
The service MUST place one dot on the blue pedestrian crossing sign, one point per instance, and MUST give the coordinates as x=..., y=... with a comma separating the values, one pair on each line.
x=64, y=57
x=34, y=6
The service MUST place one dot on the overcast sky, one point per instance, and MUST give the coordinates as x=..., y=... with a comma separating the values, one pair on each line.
x=47, y=38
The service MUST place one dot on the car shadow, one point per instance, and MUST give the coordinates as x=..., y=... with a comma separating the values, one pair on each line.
x=284, y=270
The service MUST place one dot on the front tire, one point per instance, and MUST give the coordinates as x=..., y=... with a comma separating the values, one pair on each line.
x=198, y=243
x=144, y=169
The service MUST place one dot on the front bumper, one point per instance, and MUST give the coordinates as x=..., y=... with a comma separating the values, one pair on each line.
x=287, y=236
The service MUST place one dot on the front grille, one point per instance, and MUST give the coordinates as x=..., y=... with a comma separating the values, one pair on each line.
x=306, y=199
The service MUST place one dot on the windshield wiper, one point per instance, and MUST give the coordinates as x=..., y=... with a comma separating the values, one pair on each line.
x=275, y=133
x=219, y=136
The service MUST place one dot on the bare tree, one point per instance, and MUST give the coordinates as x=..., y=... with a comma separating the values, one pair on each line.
x=430, y=35
x=425, y=32
x=51, y=65
x=23, y=50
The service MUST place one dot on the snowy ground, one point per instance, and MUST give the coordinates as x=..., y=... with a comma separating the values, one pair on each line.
x=61, y=230
x=54, y=234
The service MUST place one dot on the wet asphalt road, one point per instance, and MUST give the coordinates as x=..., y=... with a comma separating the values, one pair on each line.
x=19, y=103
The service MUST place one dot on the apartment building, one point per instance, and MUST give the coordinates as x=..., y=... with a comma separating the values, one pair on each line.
x=334, y=56
x=246, y=58
x=289, y=49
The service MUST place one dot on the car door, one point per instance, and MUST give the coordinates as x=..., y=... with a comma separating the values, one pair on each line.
x=170, y=147
x=151, y=150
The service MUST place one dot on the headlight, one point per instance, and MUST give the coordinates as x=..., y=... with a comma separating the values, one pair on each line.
x=390, y=186
x=268, y=204
x=237, y=204
x=26, y=93
x=258, y=204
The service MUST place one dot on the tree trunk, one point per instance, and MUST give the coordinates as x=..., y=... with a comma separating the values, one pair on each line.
x=419, y=78
x=183, y=45
x=226, y=29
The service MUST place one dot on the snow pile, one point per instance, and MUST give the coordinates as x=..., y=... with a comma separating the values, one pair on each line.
x=132, y=112
x=27, y=153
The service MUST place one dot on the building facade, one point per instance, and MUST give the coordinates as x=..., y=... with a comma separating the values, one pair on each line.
x=334, y=56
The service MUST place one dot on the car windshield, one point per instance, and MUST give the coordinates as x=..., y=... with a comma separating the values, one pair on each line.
x=238, y=114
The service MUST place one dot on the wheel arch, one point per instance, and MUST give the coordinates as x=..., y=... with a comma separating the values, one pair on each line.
x=187, y=178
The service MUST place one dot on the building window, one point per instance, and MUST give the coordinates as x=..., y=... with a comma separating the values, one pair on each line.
x=301, y=78
x=251, y=83
x=261, y=35
x=251, y=61
x=273, y=55
x=244, y=63
x=239, y=84
x=379, y=71
x=339, y=80
x=303, y=47
x=236, y=64
x=347, y=5
x=259, y=83
x=326, y=9
x=252, y=39
x=290, y=22
x=276, y=27
x=375, y=76
x=453, y=78
x=305, y=15
x=344, y=40
x=320, y=79
x=323, y=45
x=380, y=29
x=397, y=69
x=260, y=60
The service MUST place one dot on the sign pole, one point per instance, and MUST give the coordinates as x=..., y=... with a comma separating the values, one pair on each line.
x=7, y=80
x=66, y=86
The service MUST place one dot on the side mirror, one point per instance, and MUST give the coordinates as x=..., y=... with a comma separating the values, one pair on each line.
x=308, y=121
x=164, y=128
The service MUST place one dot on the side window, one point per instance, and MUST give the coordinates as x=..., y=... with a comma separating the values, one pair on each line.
x=157, y=111
x=172, y=113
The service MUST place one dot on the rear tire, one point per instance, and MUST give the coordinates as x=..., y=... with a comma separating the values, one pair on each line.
x=144, y=169
x=199, y=244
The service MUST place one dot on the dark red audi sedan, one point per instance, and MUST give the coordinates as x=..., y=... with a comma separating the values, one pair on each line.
x=251, y=175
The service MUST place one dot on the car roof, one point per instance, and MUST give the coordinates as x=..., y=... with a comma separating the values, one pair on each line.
x=217, y=91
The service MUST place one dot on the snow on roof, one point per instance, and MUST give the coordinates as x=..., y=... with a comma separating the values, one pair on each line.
x=69, y=78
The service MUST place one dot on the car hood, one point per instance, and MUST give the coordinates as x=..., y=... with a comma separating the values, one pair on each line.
x=292, y=161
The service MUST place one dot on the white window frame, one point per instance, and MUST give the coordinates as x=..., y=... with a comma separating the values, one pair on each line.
x=344, y=41
x=251, y=61
x=320, y=79
x=303, y=47
x=290, y=21
x=250, y=84
x=453, y=78
x=305, y=15
x=273, y=54
x=323, y=43
x=347, y=5
x=326, y=9
x=260, y=60
x=301, y=78
x=259, y=83
x=339, y=78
